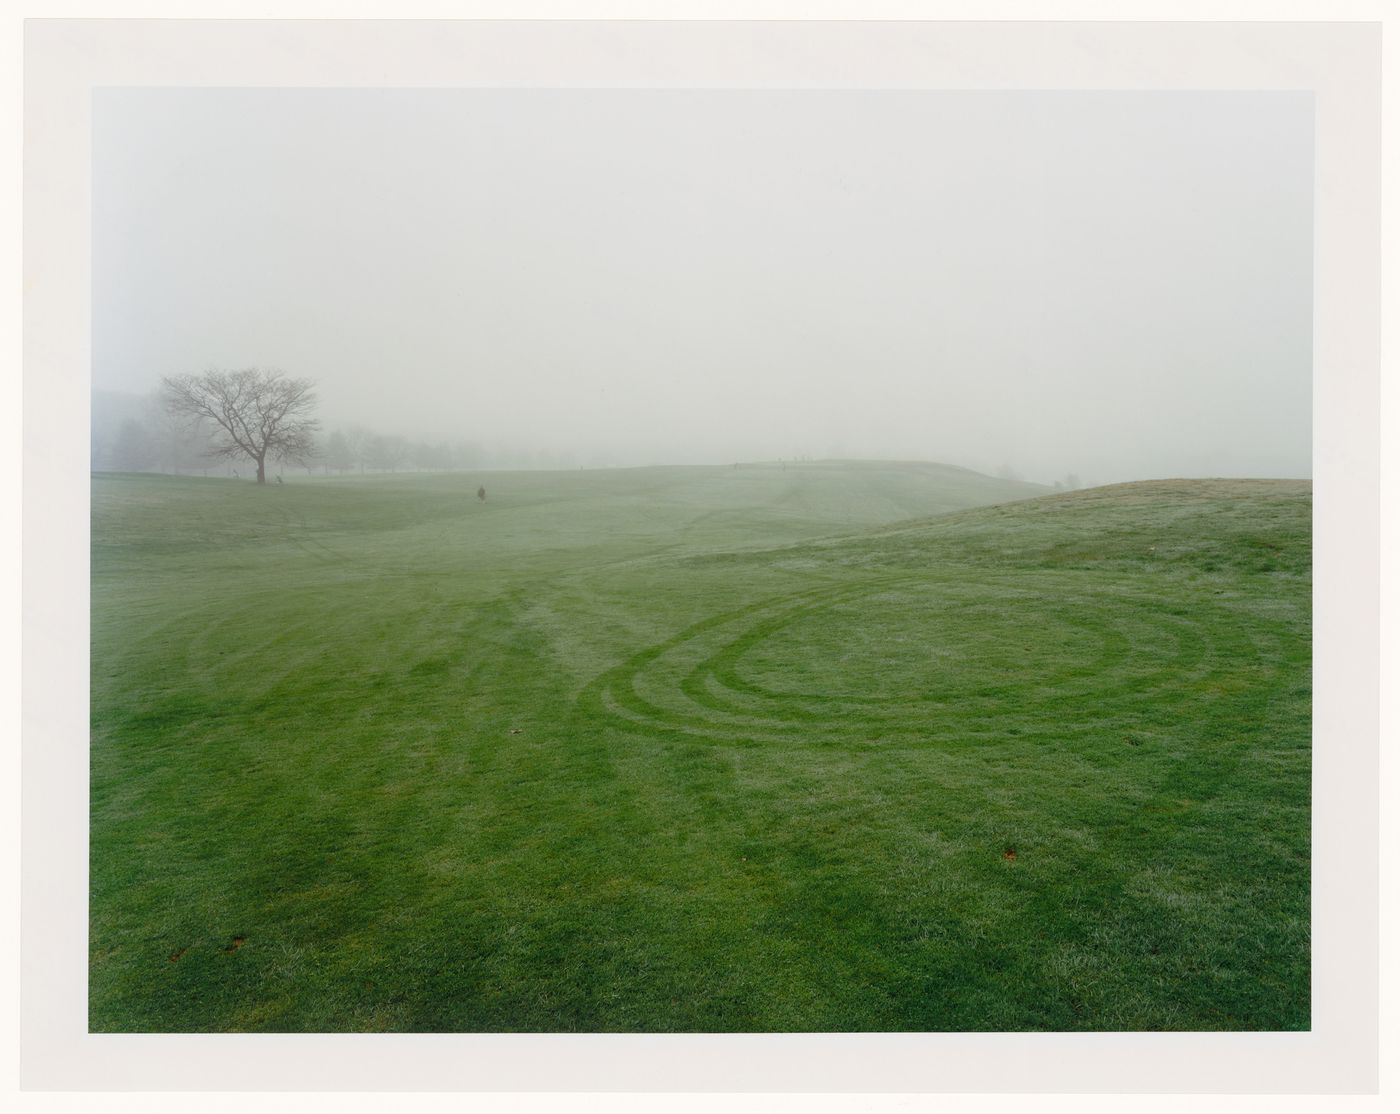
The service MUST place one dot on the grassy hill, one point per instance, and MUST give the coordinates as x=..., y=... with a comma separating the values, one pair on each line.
x=830, y=747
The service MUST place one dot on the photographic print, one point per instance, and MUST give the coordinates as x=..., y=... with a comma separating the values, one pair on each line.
x=700, y=560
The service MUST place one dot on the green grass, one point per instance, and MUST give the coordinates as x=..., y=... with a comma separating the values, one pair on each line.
x=828, y=748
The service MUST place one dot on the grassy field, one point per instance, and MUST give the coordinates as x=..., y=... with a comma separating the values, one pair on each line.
x=822, y=748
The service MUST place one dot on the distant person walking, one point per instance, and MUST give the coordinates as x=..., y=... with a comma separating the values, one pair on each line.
x=481, y=493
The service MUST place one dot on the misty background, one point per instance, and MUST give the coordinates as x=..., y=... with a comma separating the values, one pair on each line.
x=1110, y=285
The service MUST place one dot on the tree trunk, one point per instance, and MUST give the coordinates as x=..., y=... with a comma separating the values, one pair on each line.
x=262, y=475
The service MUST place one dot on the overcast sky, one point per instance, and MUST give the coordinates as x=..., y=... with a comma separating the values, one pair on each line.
x=1112, y=284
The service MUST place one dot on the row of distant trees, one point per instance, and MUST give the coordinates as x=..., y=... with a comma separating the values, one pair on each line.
x=359, y=449
x=148, y=434
x=133, y=433
x=254, y=418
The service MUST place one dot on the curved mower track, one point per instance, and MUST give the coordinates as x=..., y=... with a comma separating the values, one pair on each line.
x=730, y=678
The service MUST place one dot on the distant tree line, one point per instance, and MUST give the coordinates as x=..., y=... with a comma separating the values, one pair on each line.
x=357, y=449
x=132, y=433
x=137, y=433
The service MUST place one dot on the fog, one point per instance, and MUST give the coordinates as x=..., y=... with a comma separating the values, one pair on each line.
x=1116, y=285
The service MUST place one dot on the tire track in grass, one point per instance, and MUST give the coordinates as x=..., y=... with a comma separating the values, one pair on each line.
x=1137, y=648
x=613, y=695
x=721, y=673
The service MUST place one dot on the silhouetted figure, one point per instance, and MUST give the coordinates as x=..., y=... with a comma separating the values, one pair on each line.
x=279, y=479
x=481, y=493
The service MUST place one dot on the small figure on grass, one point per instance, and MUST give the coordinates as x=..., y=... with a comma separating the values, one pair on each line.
x=481, y=493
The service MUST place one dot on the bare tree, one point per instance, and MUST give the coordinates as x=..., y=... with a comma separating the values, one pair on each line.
x=357, y=440
x=385, y=454
x=135, y=450
x=257, y=414
x=338, y=452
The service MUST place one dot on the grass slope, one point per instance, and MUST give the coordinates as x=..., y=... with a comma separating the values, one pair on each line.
x=699, y=750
